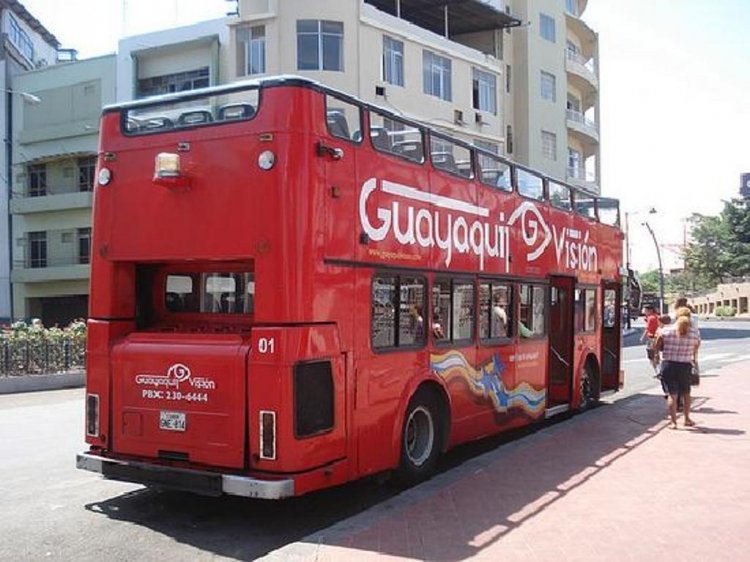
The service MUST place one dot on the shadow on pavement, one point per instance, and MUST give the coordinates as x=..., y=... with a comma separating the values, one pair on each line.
x=511, y=483
x=235, y=527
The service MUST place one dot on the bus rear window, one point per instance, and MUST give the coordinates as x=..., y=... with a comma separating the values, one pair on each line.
x=223, y=107
x=212, y=293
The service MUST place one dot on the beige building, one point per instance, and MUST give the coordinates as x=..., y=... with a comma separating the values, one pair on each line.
x=53, y=177
x=517, y=77
x=727, y=295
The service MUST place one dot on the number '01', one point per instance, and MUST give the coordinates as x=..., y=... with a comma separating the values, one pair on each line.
x=266, y=345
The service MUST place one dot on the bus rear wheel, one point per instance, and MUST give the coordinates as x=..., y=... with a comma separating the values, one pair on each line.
x=420, y=439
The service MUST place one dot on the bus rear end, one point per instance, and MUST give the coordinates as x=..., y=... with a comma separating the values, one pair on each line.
x=184, y=389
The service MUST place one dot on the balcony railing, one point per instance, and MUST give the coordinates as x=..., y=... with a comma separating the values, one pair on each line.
x=55, y=248
x=583, y=123
x=578, y=58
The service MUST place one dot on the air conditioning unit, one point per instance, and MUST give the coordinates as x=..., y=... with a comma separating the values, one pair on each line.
x=458, y=117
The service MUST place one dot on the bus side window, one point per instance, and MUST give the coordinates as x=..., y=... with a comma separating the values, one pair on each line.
x=342, y=117
x=235, y=111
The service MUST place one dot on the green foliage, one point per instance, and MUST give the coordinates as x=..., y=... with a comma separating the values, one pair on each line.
x=720, y=246
x=725, y=311
x=32, y=348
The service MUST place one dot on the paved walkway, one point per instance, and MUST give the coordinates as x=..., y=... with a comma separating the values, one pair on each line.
x=612, y=484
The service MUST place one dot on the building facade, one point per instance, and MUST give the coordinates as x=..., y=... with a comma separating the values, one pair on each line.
x=54, y=159
x=25, y=44
x=517, y=77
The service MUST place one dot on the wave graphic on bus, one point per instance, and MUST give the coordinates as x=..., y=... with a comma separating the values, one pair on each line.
x=486, y=382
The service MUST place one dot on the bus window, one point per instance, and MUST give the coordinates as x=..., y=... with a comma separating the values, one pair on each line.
x=494, y=172
x=391, y=135
x=529, y=185
x=453, y=310
x=609, y=211
x=585, y=205
x=463, y=311
x=207, y=110
x=411, y=324
x=398, y=318
x=215, y=292
x=532, y=311
x=609, y=314
x=559, y=196
x=343, y=119
x=450, y=157
x=495, y=310
x=585, y=310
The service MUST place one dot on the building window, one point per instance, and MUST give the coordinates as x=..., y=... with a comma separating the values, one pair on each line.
x=86, y=169
x=548, y=86
x=393, y=61
x=484, y=91
x=20, y=39
x=251, y=50
x=84, y=245
x=37, y=249
x=549, y=145
x=508, y=81
x=574, y=164
x=436, y=73
x=320, y=45
x=37, y=174
x=547, y=27
x=571, y=6
x=509, y=139
x=178, y=82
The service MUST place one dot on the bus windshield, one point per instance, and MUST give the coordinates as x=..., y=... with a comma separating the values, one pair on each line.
x=194, y=111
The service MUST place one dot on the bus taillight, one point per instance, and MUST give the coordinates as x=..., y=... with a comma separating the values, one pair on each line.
x=92, y=415
x=268, y=435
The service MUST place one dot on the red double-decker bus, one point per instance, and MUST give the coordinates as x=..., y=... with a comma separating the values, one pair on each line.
x=292, y=289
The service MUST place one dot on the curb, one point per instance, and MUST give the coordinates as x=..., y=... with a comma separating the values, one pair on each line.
x=35, y=383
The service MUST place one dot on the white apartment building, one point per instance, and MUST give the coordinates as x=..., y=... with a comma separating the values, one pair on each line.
x=24, y=44
x=54, y=158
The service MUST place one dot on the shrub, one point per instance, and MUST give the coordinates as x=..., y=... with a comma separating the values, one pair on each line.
x=29, y=348
x=725, y=311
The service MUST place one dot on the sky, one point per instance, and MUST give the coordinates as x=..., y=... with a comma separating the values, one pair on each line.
x=674, y=97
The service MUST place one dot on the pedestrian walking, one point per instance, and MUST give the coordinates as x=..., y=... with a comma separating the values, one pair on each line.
x=649, y=336
x=679, y=345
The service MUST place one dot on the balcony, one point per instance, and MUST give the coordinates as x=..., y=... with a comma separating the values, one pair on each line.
x=582, y=69
x=579, y=178
x=49, y=200
x=580, y=125
x=52, y=255
x=579, y=27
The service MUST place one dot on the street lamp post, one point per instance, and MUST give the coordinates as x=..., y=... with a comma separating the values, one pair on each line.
x=661, y=269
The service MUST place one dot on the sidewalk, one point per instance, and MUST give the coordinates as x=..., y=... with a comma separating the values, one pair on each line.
x=612, y=484
x=31, y=383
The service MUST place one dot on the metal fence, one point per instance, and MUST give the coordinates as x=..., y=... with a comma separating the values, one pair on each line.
x=41, y=355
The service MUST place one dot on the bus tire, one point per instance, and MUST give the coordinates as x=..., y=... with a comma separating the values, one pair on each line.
x=420, y=438
x=588, y=387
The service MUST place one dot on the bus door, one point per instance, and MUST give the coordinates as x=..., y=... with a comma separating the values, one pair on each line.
x=560, y=368
x=337, y=148
x=611, y=334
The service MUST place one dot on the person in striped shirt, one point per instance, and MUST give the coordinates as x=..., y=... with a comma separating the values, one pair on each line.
x=679, y=345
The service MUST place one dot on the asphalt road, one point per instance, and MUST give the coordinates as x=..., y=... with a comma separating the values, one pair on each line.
x=51, y=511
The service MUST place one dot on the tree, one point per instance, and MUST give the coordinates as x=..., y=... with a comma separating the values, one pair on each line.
x=720, y=246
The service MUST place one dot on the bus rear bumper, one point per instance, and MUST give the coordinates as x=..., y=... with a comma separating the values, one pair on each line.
x=198, y=481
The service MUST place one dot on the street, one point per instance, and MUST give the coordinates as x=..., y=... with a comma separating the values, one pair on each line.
x=49, y=510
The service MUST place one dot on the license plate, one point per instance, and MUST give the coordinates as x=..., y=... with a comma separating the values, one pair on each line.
x=172, y=421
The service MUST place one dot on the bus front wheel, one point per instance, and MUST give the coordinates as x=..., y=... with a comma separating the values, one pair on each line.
x=420, y=438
